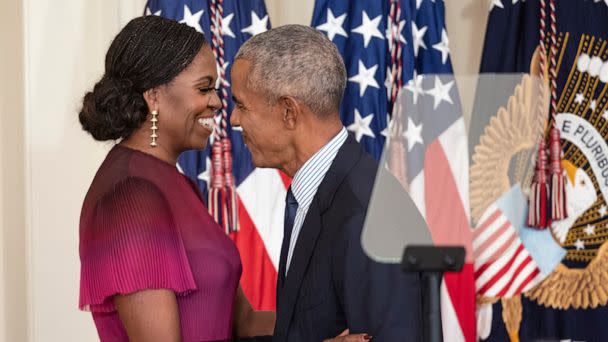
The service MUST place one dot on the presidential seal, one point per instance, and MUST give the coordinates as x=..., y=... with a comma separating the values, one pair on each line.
x=581, y=280
x=571, y=256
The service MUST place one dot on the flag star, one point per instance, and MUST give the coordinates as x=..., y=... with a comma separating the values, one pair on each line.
x=496, y=3
x=579, y=244
x=593, y=105
x=443, y=46
x=605, y=115
x=257, y=25
x=369, y=29
x=590, y=229
x=157, y=13
x=579, y=98
x=413, y=134
x=365, y=78
x=418, y=36
x=333, y=25
x=516, y=1
x=192, y=20
x=418, y=3
x=441, y=92
x=399, y=32
x=205, y=176
x=602, y=211
x=361, y=126
x=179, y=168
x=226, y=21
x=415, y=86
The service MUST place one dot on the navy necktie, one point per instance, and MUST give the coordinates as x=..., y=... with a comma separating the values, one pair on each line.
x=291, y=207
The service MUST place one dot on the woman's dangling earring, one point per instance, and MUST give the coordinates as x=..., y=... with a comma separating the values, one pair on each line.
x=154, y=128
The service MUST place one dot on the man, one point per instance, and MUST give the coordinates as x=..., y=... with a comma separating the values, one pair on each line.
x=287, y=85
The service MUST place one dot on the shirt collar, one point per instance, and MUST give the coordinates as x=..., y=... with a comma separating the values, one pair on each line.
x=310, y=175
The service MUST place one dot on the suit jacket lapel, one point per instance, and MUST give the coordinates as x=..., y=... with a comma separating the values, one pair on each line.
x=287, y=296
x=304, y=248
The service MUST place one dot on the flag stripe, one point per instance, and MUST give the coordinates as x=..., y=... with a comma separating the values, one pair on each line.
x=263, y=196
x=499, y=225
x=449, y=225
x=496, y=249
x=445, y=213
x=489, y=269
x=259, y=275
x=455, y=144
x=503, y=280
x=503, y=270
x=522, y=276
x=486, y=223
x=449, y=317
x=461, y=290
x=491, y=247
x=534, y=278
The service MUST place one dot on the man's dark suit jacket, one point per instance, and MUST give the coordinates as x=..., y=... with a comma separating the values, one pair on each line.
x=331, y=284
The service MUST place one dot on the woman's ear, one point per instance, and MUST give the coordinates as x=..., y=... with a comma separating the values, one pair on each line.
x=151, y=97
x=291, y=111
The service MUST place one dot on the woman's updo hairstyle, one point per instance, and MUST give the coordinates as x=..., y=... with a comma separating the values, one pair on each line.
x=148, y=52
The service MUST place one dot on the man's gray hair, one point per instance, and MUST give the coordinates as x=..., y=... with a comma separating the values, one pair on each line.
x=298, y=61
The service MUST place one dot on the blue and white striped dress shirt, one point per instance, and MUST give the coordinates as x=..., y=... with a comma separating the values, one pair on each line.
x=306, y=182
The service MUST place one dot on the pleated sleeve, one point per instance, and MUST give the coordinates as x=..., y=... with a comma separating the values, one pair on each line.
x=130, y=243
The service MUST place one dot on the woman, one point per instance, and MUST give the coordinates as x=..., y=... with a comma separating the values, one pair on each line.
x=154, y=265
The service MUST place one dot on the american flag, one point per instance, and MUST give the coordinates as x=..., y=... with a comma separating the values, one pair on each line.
x=261, y=192
x=433, y=134
x=503, y=265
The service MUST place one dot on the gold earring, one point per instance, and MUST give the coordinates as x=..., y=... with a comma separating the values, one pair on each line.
x=154, y=128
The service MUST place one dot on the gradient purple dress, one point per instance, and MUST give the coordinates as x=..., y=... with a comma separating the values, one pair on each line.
x=144, y=226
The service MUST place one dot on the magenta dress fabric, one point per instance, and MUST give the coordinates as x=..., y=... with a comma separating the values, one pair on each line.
x=144, y=226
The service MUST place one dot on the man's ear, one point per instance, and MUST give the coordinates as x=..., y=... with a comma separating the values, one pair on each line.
x=291, y=111
x=151, y=97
